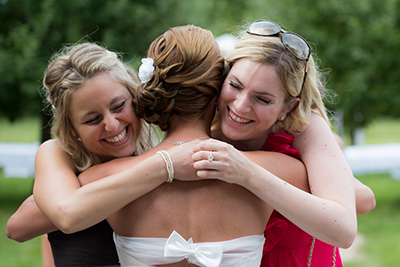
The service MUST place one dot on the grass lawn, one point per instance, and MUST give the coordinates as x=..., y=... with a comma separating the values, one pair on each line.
x=23, y=130
x=380, y=227
x=13, y=254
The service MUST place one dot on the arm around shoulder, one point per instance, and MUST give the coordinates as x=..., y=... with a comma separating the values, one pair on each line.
x=330, y=179
x=59, y=194
x=28, y=222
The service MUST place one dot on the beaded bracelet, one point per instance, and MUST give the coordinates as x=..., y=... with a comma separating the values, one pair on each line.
x=168, y=163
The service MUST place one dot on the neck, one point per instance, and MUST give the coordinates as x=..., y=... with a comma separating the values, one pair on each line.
x=181, y=130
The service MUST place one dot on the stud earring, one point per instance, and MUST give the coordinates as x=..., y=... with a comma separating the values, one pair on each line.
x=282, y=118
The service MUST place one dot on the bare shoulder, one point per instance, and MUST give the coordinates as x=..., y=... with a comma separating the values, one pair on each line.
x=51, y=145
x=50, y=153
x=317, y=133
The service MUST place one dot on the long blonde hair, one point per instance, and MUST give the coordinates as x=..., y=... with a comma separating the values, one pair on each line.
x=68, y=71
x=271, y=51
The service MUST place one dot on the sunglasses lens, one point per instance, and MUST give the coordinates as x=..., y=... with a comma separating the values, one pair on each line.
x=296, y=45
x=264, y=27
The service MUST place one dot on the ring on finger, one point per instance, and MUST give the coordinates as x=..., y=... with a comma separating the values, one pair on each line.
x=210, y=157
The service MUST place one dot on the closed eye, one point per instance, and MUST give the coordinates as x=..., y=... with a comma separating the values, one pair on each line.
x=92, y=120
x=234, y=85
x=264, y=100
x=119, y=106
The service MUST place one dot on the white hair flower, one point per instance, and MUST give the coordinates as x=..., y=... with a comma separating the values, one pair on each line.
x=146, y=70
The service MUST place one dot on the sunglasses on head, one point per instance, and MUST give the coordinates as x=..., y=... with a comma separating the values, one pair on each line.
x=293, y=42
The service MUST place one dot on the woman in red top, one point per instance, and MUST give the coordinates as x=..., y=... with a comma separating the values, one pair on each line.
x=274, y=90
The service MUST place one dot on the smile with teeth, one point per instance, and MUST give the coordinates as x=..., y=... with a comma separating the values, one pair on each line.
x=237, y=119
x=117, y=138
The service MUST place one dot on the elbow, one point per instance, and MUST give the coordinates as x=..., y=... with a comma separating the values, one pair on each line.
x=347, y=241
x=348, y=237
x=366, y=204
x=343, y=235
x=66, y=221
x=67, y=228
x=15, y=234
x=367, y=207
x=371, y=202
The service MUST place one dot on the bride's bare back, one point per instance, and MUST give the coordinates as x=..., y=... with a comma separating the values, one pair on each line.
x=207, y=211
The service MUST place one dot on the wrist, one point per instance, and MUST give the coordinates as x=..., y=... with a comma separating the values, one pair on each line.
x=168, y=165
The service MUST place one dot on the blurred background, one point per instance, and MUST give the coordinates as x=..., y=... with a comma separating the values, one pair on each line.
x=357, y=43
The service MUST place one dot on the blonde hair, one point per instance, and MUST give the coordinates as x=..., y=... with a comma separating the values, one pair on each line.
x=271, y=51
x=68, y=71
x=188, y=75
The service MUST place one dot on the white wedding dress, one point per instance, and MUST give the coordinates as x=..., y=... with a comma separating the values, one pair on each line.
x=240, y=252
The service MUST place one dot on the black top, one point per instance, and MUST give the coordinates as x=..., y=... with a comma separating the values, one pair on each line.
x=91, y=247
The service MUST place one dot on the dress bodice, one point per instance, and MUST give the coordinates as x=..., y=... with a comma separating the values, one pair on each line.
x=91, y=247
x=243, y=252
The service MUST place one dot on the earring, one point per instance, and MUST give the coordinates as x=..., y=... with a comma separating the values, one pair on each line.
x=282, y=118
x=80, y=140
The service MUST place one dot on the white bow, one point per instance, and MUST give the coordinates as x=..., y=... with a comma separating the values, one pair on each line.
x=207, y=255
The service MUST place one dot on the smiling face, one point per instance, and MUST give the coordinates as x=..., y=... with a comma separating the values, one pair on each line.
x=252, y=99
x=103, y=118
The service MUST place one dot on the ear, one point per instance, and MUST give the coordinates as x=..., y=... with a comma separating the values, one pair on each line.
x=74, y=134
x=292, y=105
x=289, y=108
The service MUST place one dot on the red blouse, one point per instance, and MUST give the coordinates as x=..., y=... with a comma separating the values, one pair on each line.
x=286, y=244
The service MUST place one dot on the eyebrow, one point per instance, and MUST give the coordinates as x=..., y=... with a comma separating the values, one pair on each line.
x=257, y=92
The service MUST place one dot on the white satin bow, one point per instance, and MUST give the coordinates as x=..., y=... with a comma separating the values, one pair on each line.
x=207, y=255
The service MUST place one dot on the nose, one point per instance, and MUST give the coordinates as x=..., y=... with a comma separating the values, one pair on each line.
x=242, y=103
x=111, y=123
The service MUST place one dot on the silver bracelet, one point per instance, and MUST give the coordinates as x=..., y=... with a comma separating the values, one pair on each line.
x=168, y=163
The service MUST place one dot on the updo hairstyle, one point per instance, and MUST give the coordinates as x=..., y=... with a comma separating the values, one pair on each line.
x=188, y=74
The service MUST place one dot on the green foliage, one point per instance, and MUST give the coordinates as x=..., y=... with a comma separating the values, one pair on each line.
x=356, y=41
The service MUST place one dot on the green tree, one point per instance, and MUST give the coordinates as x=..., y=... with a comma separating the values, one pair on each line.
x=357, y=41
x=31, y=31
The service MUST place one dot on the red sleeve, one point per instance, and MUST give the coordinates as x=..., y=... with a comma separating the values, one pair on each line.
x=282, y=143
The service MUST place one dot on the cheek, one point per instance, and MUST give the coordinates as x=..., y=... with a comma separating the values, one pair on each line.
x=136, y=124
x=267, y=116
x=89, y=136
x=225, y=96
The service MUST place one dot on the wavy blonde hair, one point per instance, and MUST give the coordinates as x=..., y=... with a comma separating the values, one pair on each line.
x=271, y=51
x=188, y=75
x=67, y=72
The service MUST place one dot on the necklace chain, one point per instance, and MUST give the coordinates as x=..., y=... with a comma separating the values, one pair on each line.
x=182, y=142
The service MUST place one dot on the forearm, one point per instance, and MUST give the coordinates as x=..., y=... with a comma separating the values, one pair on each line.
x=322, y=218
x=106, y=196
x=324, y=215
x=331, y=182
x=28, y=222
x=365, y=198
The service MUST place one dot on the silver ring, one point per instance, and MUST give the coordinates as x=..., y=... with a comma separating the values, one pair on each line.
x=210, y=157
